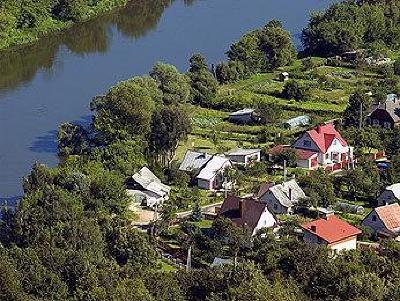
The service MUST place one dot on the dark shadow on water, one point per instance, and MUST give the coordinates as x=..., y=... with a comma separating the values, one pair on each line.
x=46, y=143
x=10, y=202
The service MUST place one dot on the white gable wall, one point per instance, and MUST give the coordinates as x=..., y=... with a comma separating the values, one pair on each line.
x=266, y=220
x=347, y=244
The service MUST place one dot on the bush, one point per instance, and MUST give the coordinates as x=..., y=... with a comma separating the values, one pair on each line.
x=293, y=90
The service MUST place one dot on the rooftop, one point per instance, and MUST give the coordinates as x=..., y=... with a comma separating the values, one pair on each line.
x=252, y=211
x=194, y=160
x=390, y=216
x=331, y=229
x=324, y=134
x=150, y=182
x=212, y=166
x=243, y=152
x=242, y=112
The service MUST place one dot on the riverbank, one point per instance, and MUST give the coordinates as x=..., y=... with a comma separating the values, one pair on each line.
x=27, y=26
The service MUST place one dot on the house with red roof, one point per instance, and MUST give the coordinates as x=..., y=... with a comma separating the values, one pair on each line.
x=384, y=221
x=247, y=213
x=331, y=232
x=323, y=146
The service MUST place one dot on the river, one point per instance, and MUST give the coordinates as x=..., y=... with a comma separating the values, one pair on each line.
x=53, y=81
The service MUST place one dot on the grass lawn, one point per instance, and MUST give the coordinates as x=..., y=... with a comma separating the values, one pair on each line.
x=203, y=224
x=165, y=267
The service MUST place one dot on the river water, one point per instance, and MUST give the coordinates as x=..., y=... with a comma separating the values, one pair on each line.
x=52, y=82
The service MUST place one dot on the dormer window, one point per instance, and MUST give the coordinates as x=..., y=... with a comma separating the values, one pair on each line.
x=374, y=218
x=307, y=143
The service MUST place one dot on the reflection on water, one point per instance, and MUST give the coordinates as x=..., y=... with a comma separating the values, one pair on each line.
x=134, y=21
x=52, y=81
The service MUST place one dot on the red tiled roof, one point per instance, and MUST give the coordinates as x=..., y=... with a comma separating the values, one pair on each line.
x=303, y=154
x=251, y=212
x=323, y=136
x=390, y=216
x=331, y=229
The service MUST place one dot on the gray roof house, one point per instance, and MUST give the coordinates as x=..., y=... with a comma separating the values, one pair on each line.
x=244, y=157
x=194, y=161
x=390, y=195
x=146, y=188
x=211, y=176
x=281, y=198
x=386, y=114
x=243, y=116
x=296, y=122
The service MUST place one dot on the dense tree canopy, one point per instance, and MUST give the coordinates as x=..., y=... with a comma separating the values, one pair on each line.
x=351, y=25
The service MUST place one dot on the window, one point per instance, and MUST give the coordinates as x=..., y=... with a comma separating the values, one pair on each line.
x=375, y=122
x=374, y=218
x=387, y=125
x=327, y=156
x=275, y=207
x=307, y=143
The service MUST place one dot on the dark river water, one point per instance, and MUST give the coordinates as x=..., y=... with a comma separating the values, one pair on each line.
x=53, y=81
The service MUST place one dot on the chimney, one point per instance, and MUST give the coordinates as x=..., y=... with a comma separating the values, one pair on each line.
x=290, y=194
x=314, y=228
x=241, y=207
x=318, y=128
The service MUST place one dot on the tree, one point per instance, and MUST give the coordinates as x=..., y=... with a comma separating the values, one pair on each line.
x=169, y=126
x=269, y=112
x=230, y=71
x=72, y=139
x=319, y=188
x=277, y=45
x=363, y=181
x=126, y=111
x=196, y=212
x=124, y=157
x=356, y=110
x=247, y=51
x=397, y=67
x=174, y=85
x=10, y=280
x=127, y=245
x=204, y=85
x=293, y=90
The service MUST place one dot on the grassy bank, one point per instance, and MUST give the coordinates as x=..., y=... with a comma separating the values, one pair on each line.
x=37, y=25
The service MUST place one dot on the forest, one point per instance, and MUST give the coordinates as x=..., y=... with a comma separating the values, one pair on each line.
x=25, y=21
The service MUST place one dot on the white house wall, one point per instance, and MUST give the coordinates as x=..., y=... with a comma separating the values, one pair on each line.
x=266, y=220
x=350, y=244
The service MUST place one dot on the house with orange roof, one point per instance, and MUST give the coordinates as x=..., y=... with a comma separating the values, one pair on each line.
x=332, y=232
x=384, y=221
x=323, y=146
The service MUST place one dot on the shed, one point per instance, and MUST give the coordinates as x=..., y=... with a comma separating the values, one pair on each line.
x=296, y=122
x=284, y=76
x=346, y=207
x=244, y=116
